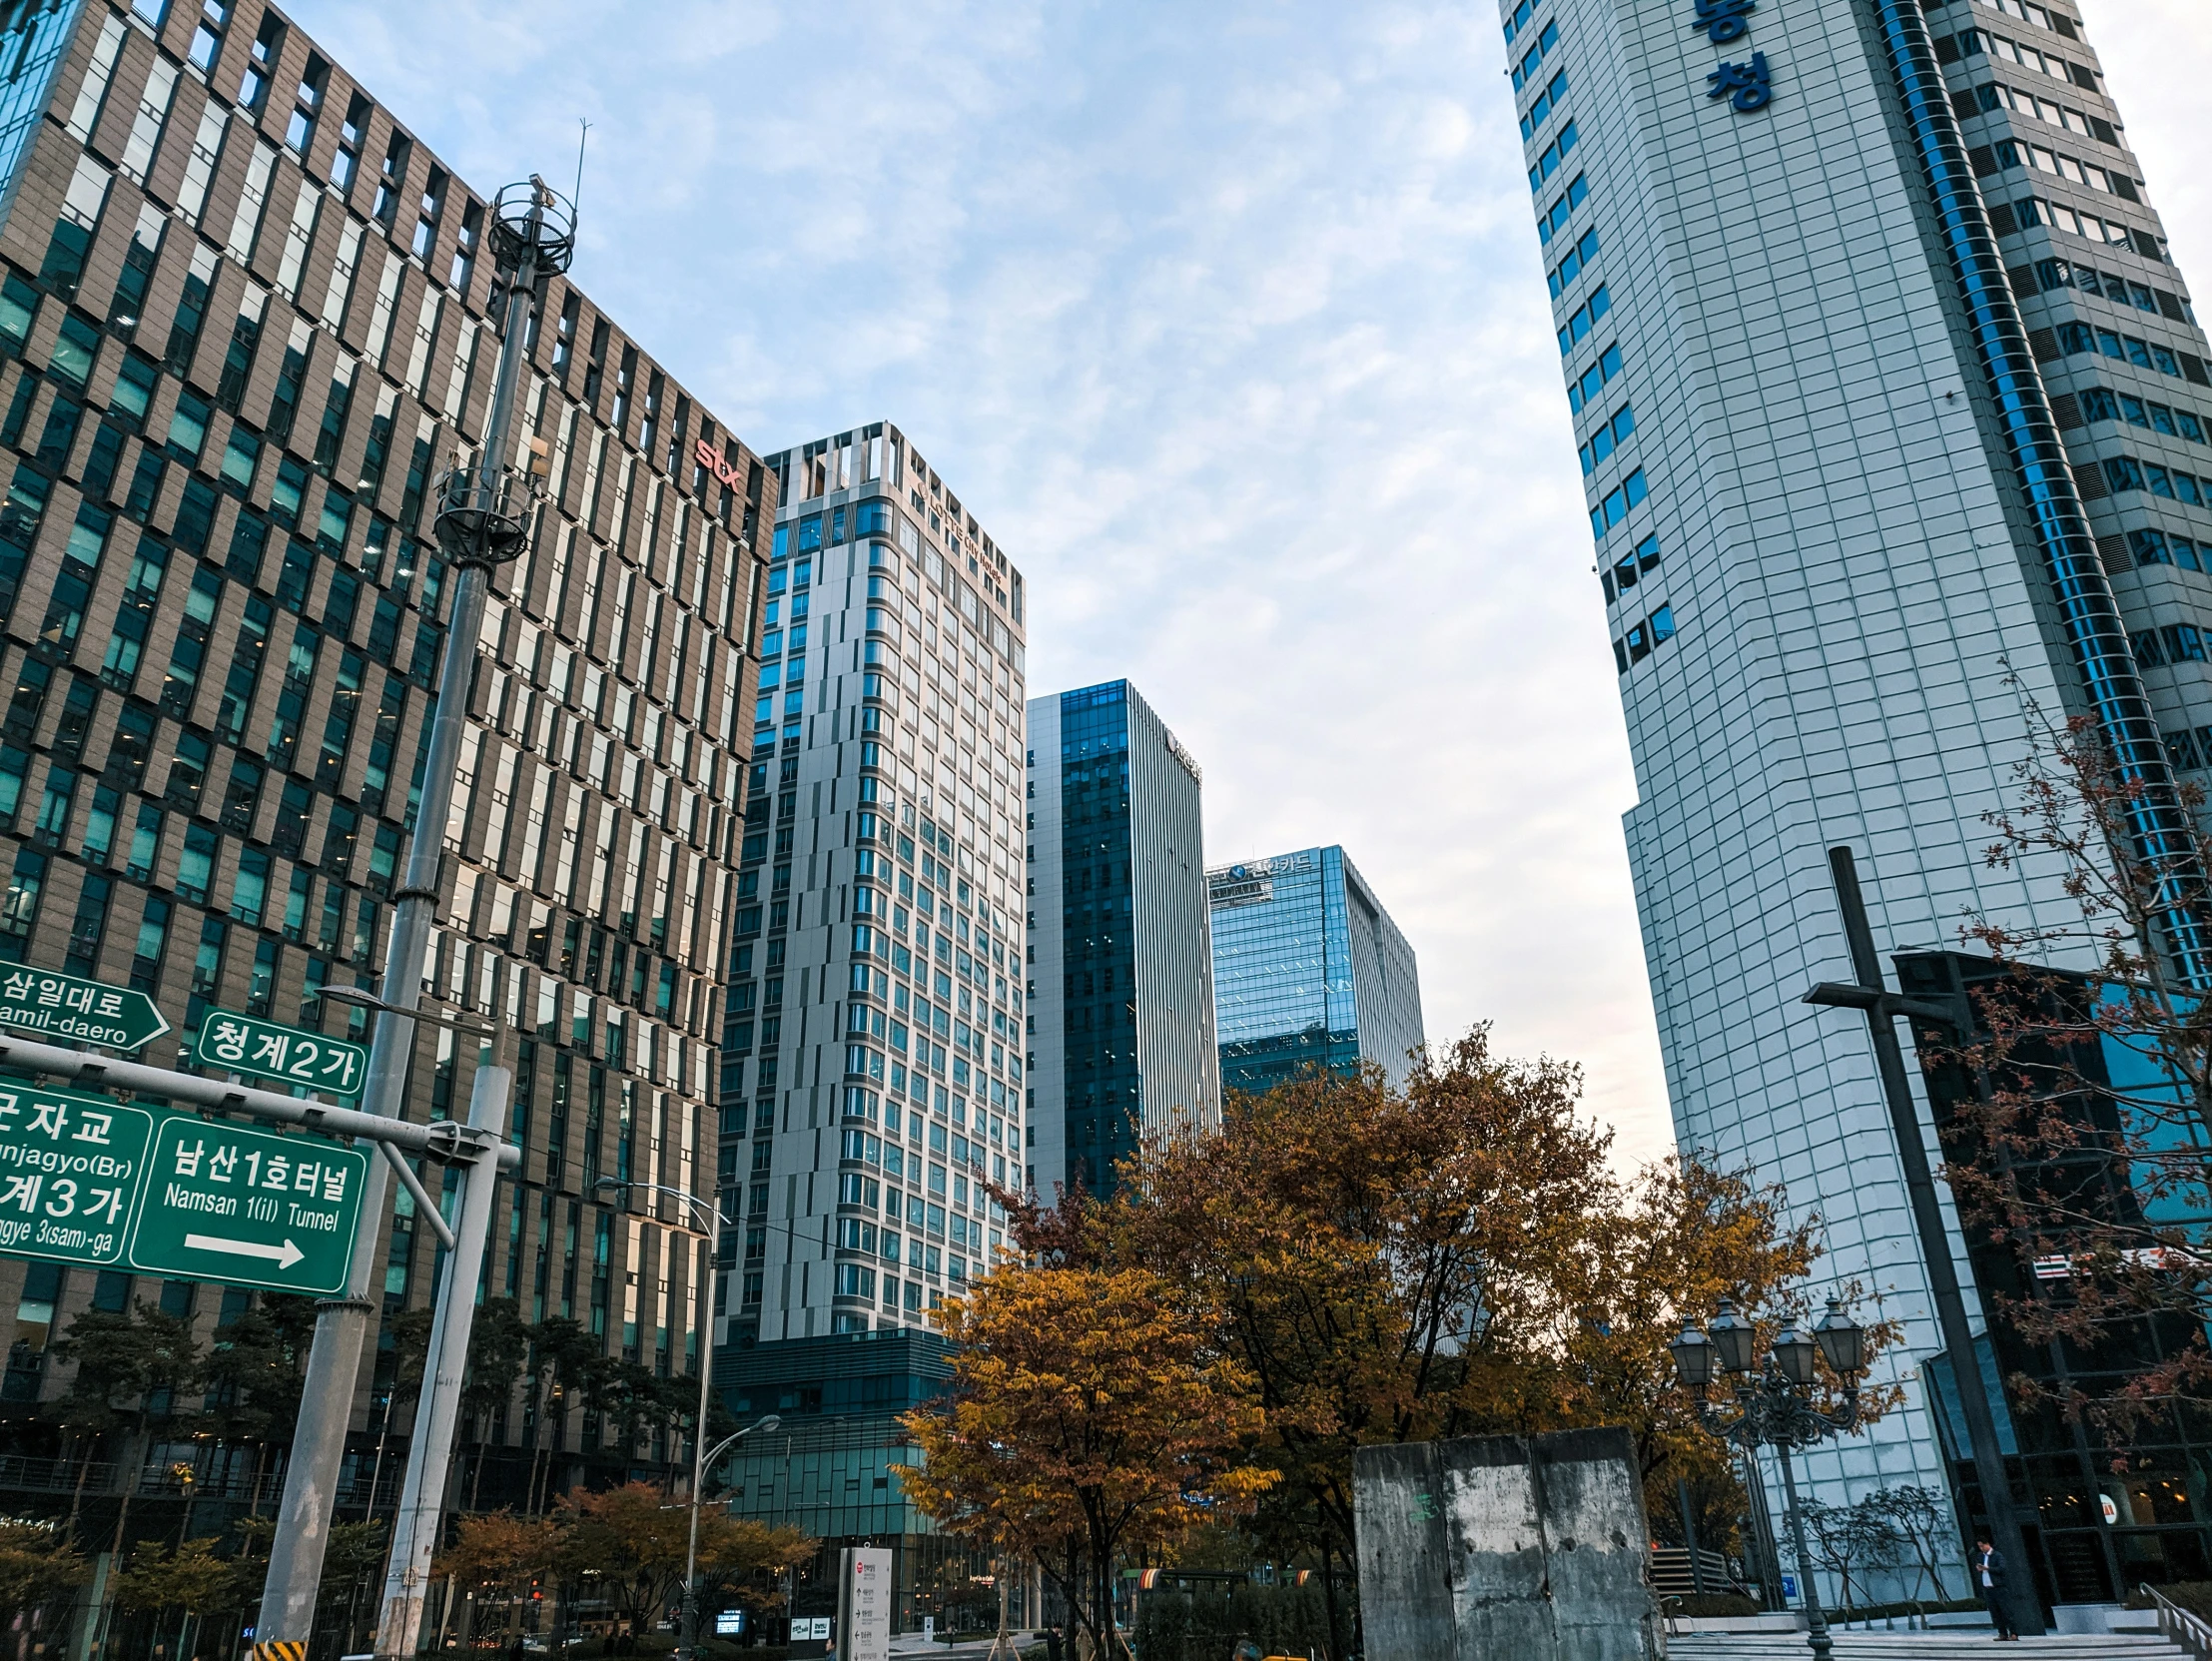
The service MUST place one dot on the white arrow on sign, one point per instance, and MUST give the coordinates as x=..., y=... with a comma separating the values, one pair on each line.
x=284, y=1257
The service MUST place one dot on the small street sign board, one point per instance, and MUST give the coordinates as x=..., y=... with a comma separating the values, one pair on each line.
x=71, y=1168
x=91, y=1012
x=247, y=1044
x=88, y=1181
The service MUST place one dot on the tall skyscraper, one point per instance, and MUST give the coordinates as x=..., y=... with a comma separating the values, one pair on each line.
x=1308, y=971
x=1895, y=418
x=1122, y=979
x=873, y=1070
x=246, y=320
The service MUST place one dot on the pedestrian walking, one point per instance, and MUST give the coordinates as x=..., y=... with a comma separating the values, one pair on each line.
x=1989, y=1576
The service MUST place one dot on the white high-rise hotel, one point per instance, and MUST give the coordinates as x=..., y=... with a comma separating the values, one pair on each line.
x=1886, y=390
x=872, y=1071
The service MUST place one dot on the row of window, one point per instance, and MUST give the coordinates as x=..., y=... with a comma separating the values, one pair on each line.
x=1584, y=318
x=1554, y=219
x=1974, y=43
x=1553, y=155
x=1607, y=438
x=2175, y=643
x=2153, y=546
x=2078, y=339
x=2011, y=218
x=1643, y=639
x=1616, y=503
x=1524, y=71
x=2049, y=275
x=1592, y=379
x=2189, y=748
x=1631, y=568
x=2124, y=473
x=2007, y=154
x=1519, y=19
x=1993, y=96
x=2028, y=11
x=1573, y=264
x=1545, y=103
x=2097, y=404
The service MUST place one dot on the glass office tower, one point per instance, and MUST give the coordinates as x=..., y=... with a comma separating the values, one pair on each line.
x=1896, y=421
x=1121, y=970
x=1308, y=971
x=246, y=320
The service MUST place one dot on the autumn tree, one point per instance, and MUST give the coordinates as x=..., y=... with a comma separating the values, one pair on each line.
x=1089, y=1416
x=1455, y=1257
x=1383, y=1265
x=1667, y=1246
x=636, y=1544
x=2081, y=1102
x=502, y=1555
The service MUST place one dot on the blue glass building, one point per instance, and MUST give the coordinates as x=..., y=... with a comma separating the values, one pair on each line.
x=1121, y=987
x=1308, y=971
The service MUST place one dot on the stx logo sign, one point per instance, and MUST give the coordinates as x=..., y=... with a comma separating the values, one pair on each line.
x=710, y=459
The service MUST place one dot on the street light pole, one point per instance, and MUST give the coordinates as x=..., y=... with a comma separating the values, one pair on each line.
x=483, y=521
x=1773, y=1400
x=703, y=1327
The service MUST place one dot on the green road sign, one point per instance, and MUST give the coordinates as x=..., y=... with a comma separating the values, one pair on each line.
x=71, y=1168
x=241, y=1044
x=92, y=1012
x=249, y=1207
x=89, y=1180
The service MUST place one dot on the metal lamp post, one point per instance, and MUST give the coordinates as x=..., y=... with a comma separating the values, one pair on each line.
x=1771, y=1404
x=704, y=1326
x=487, y=512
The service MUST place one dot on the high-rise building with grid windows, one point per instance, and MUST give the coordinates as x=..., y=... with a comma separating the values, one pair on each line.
x=1308, y=971
x=877, y=1000
x=872, y=1068
x=1121, y=970
x=1896, y=420
x=246, y=320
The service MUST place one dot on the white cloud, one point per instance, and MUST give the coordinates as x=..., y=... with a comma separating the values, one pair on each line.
x=1228, y=321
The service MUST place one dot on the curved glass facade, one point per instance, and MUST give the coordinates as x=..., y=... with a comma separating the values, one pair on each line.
x=1308, y=971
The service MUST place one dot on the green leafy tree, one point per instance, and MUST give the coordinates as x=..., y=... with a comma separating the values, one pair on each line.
x=564, y=1367
x=38, y=1567
x=130, y=1367
x=636, y=1546
x=255, y=1375
x=498, y=1348
x=191, y=1577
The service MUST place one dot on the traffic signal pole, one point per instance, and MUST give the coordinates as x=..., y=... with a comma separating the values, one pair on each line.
x=484, y=520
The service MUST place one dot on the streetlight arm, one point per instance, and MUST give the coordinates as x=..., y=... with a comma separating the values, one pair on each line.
x=699, y=1208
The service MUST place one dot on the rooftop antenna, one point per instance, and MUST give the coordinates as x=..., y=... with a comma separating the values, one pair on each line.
x=575, y=198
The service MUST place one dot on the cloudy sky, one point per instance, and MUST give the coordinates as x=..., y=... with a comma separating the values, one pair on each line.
x=1226, y=321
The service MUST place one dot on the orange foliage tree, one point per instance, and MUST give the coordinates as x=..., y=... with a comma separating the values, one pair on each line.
x=1089, y=1417
x=496, y=1557
x=1457, y=1258
x=634, y=1543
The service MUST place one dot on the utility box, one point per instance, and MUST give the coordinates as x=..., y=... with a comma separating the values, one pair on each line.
x=1534, y=1548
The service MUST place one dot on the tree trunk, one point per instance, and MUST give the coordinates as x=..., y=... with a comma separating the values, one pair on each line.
x=77, y=1494
x=1328, y=1592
